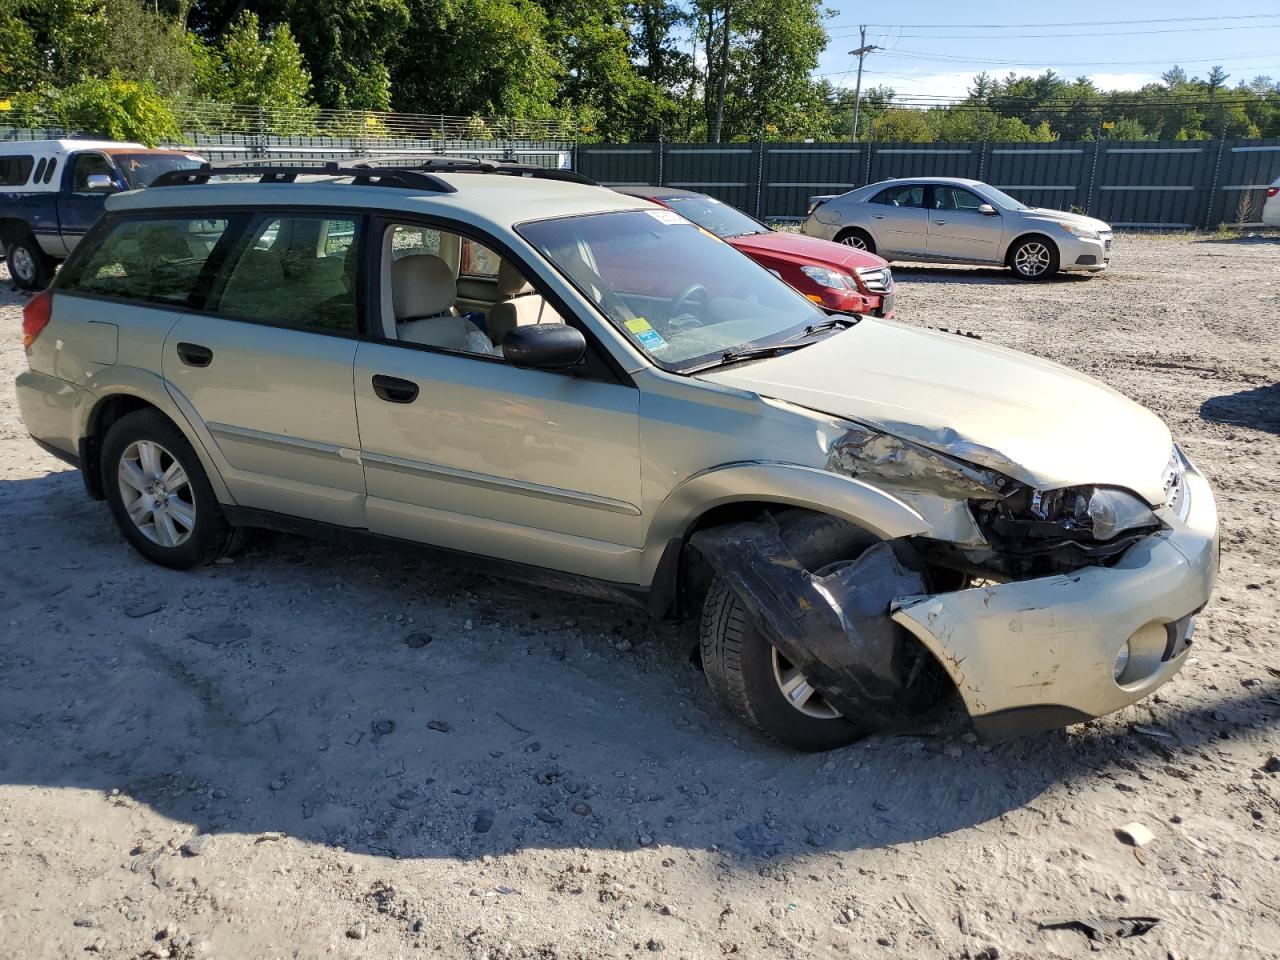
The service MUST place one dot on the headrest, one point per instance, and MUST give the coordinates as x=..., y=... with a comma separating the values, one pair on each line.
x=422, y=285
x=511, y=283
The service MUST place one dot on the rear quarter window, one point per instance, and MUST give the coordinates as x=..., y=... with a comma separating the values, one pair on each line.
x=15, y=171
x=148, y=261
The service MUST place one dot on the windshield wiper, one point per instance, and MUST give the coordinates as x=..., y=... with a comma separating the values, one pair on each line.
x=842, y=321
x=740, y=354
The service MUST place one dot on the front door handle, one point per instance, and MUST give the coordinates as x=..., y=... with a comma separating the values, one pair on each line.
x=877, y=216
x=940, y=221
x=393, y=389
x=194, y=355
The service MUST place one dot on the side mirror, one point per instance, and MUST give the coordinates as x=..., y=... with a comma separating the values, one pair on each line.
x=544, y=346
x=986, y=209
x=100, y=182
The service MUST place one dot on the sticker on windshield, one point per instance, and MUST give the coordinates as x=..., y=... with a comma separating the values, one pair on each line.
x=669, y=217
x=649, y=338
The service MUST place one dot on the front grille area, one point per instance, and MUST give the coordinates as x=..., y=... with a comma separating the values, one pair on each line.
x=877, y=279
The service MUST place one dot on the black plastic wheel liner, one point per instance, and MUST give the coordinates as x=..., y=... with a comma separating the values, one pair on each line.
x=834, y=628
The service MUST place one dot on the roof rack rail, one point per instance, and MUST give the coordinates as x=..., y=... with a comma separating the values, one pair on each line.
x=449, y=164
x=402, y=177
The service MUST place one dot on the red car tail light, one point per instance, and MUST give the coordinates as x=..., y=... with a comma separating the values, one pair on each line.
x=35, y=317
x=1272, y=191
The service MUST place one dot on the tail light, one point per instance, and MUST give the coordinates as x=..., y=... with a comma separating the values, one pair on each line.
x=1272, y=191
x=35, y=317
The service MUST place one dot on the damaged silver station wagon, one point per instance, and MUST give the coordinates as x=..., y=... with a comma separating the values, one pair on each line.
x=570, y=386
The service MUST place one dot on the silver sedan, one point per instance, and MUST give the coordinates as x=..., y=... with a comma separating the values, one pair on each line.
x=951, y=220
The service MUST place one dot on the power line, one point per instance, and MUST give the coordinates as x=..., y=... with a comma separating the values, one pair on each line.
x=1067, y=36
x=1075, y=23
x=951, y=58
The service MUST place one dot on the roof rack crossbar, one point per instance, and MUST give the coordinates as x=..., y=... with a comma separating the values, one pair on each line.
x=448, y=164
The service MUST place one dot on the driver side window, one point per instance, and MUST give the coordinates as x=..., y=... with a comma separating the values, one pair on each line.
x=434, y=293
x=87, y=164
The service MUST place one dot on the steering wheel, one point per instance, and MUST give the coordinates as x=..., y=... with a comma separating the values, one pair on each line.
x=678, y=301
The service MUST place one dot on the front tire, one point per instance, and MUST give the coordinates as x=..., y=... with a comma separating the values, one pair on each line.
x=748, y=676
x=30, y=268
x=1034, y=258
x=159, y=495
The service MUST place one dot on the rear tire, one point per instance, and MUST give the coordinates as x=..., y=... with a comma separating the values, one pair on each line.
x=30, y=268
x=857, y=238
x=740, y=662
x=171, y=516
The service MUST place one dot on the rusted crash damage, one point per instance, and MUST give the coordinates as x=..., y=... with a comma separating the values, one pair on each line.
x=862, y=451
x=834, y=627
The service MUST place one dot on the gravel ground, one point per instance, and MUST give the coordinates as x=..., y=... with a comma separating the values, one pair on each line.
x=328, y=752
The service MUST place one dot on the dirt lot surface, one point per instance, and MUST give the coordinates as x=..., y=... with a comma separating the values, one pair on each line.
x=323, y=752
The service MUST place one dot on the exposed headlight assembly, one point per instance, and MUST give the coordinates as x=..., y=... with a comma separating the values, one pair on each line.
x=1039, y=531
x=826, y=277
x=1084, y=233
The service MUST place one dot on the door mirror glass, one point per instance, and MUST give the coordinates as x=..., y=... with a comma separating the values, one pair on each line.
x=986, y=209
x=100, y=182
x=544, y=346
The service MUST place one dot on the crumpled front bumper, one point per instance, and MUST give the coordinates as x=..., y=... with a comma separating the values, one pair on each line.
x=1041, y=653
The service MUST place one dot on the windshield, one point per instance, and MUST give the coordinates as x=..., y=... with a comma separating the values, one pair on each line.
x=710, y=214
x=681, y=295
x=140, y=169
x=1002, y=199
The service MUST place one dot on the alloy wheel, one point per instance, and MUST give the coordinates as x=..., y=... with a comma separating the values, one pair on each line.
x=799, y=693
x=855, y=240
x=1032, y=259
x=157, y=493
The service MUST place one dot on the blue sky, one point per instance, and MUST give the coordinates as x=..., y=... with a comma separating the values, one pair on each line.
x=921, y=57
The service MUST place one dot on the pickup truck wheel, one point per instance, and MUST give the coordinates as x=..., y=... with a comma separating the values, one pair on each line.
x=749, y=677
x=30, y=268
x=159, y=495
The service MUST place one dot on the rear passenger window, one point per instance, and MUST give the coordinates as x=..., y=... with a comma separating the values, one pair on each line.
x=48, y=171
x=153, y=261
x=14, y=171
x=907, y=196
x=294, y=271
x=478, y=260
x=407, y=241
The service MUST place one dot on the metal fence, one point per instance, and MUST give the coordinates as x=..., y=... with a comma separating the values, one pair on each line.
x=1174, y=184
x=265, y=146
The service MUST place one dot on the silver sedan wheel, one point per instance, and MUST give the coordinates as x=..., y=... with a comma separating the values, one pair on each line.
x=797, y=691
x=1032, y=259
x=157, y=493
x=23, y=264
x=855, y=240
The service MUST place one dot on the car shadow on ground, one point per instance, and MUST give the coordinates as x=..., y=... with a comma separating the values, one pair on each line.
x=922, y=273
x=1257, y=408
x=406, y=709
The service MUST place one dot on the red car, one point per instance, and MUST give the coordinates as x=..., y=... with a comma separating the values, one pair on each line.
x=833, y=275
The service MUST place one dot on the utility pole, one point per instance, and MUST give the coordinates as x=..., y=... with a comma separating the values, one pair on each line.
x=861, y=54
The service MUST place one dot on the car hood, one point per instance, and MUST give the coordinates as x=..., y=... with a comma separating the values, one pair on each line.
x=1030, y=419
x=1061, y=216
x=801, y=249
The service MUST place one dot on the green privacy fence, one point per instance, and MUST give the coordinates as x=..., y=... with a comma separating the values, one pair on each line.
x=1173, y=184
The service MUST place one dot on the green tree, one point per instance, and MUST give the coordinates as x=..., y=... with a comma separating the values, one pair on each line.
x=116, y=109
x=499, y=60
x=253, y=66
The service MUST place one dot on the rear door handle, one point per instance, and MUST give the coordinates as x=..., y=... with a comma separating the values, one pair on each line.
x=939, y=221
x=877, y=216
x=194, y=355
x=393, y=389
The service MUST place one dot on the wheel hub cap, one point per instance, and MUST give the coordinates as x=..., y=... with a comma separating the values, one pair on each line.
x=157, y=493
x=1032, y=259
x=23, y=265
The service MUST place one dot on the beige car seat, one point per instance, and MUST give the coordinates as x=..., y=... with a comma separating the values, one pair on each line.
x=423, y=292
x=521, y=306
